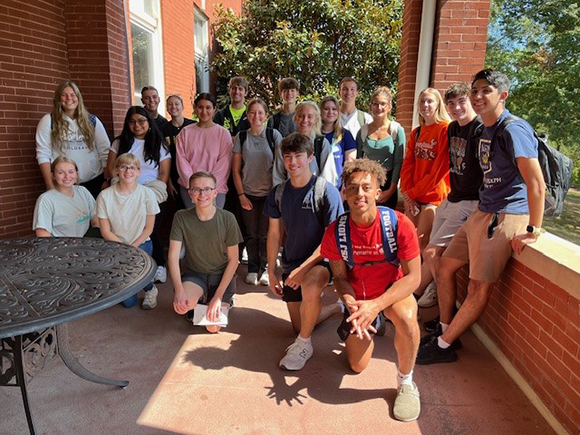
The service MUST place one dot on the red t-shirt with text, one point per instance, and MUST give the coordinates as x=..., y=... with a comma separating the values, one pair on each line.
x=369, y=282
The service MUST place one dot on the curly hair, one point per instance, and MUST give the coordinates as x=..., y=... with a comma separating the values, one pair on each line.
x=364, y=165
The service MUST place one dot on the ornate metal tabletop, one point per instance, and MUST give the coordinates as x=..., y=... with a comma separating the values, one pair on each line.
x=48, y=281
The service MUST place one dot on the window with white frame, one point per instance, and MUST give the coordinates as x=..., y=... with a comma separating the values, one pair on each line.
x=147, y=49
x=200, y=34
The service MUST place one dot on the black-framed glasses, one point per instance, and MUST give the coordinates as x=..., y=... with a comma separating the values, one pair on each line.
x=141, y=122
x=124, y=168
x=197, y=191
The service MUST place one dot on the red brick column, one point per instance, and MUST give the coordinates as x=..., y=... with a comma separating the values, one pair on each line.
x=458, y=48
x=98, y=59
x=178, y=51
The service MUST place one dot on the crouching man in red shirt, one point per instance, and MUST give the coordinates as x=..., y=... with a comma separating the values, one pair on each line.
x=375, y=259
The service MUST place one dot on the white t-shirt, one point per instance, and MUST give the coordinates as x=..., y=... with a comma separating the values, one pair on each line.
x=350, y=122
x=149, y=169
x=127, y=213
x=62, y=215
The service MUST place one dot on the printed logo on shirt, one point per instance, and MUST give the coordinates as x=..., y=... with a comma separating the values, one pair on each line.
x=368, y=251
x=457, y=147
x=426, y=150
x=485, y=163
x=227, y=124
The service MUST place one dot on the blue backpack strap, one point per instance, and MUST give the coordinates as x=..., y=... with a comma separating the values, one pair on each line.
x=342, y=234
x=389, y=226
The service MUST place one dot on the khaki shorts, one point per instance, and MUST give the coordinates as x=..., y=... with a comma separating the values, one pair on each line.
x=449, y=217
x=487, y=256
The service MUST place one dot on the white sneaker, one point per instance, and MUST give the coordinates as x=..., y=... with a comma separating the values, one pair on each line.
x=160, y=274
x=264, y=280
x=244, y=259
x=150, y=300
x=429, y=298
x=296, y=355
x=252, y=278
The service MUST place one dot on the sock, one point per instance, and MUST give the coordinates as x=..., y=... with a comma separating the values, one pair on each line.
x=405, y=379
x=444, y=327
x=442, y=344
x=304, y=340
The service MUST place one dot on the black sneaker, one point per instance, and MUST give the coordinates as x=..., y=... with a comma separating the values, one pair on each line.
x=432, y=325
x=431, y=353
x=456, y=345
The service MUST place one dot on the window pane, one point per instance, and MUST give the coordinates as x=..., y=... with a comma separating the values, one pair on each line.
x=142, y=56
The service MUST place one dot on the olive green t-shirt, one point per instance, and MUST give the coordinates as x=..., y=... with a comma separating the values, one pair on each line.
x=206, y=242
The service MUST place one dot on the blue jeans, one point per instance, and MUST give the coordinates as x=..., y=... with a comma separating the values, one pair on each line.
x=146, y=246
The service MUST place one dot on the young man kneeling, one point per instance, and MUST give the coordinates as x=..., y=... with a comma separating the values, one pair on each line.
x=211, y=236
x=375, y=260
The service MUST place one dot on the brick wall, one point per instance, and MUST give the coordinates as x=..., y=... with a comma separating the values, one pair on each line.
x=41, y=45
x=536, y=324
x=33, y=59
x=460, y=42
x=179, y=53
x=97, y=51
x=458, y=48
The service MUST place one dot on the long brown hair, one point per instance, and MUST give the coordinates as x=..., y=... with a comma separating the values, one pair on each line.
x=59, y=124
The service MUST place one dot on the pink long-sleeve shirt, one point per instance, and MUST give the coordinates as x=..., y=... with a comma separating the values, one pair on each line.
x=204, y=149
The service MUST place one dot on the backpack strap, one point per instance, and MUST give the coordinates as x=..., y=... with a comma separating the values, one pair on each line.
x=243, y=136
x=360, y=150
x=319, y=199
x=279, y=193
x=318, y=142
x=270, y=139
x=389, y=227
x=417, y=133
x=360, y=116
x=393, y=130
x=277, y=118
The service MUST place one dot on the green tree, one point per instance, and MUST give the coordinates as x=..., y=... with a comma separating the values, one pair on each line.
x=316, y=41
x=537, y=43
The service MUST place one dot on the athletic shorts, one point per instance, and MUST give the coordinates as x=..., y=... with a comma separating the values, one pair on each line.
x=291, y=295
x=344, y=328
x=485, y=241
x=209, y=283
x=449, y=217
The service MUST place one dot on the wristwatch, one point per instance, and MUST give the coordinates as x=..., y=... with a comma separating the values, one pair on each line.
x=535, y=231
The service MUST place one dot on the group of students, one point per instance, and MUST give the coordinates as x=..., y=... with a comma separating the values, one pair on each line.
x=470, y=196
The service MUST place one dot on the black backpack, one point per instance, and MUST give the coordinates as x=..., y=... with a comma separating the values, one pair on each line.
x=556, y=168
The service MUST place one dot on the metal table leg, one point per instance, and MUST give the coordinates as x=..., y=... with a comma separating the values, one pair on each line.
x=21, y=380
x=76, y=367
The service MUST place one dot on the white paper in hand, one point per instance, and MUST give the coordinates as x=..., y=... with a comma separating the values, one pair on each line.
x=200, y=316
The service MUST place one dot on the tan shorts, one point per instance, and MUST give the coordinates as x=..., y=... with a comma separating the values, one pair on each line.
x=487, y=256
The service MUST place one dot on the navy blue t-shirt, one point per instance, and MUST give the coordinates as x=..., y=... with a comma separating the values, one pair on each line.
x=503, y=189
x=303, y=230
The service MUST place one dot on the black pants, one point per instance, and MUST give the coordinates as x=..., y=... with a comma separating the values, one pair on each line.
x=94, y=185
x=256, y=224
x=156, y=240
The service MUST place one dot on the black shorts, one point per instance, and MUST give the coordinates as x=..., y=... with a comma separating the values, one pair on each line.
x=343, y=329
x=291, y=295
x=209, y=284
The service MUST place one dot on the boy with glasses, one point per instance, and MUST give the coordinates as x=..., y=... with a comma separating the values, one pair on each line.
x=210, y=237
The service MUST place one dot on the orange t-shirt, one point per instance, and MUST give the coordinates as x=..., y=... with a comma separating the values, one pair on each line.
x=425, y=171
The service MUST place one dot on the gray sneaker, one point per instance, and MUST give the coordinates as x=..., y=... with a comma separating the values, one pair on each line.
x=407, y=404
x=150, y=300
x=429, y=298
x=296, y=355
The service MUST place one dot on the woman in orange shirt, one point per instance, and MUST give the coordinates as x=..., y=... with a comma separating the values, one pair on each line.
x=425, y=171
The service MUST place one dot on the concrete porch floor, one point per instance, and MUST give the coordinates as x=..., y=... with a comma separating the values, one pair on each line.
x=186, y=381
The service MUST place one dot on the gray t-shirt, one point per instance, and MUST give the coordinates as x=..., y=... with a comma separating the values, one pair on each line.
x=206, y=242
x=285, y=125
x=62, y=215
x=127, y=213
x=258, y=160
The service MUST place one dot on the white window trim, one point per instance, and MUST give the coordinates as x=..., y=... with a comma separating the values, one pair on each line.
x=152, y=24
x=199, y=15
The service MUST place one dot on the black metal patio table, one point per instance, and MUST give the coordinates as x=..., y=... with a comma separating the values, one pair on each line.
x=46, y=282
